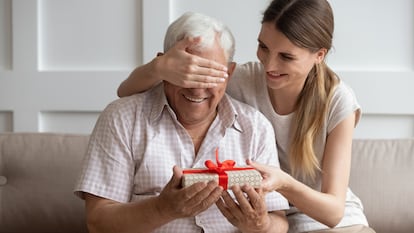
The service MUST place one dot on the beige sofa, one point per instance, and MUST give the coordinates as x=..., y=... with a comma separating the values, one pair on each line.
x=38, y=172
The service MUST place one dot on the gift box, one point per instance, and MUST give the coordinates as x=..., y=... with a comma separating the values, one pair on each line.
x=225, y=173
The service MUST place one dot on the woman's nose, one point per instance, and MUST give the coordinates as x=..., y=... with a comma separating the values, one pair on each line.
x=271, y=64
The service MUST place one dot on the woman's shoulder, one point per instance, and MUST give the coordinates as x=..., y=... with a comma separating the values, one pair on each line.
x=344, y=93
x=343, y=103
x=246, y=82
x=246, y=75
x=248, y=69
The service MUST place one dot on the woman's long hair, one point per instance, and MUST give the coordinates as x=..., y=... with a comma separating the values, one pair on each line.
x=308, y=24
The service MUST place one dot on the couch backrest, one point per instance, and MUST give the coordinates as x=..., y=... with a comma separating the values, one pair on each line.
x=39, y=171
x=383, y=177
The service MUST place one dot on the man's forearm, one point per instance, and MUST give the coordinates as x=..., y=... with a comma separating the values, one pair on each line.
x=105, y=216
x=279, y=223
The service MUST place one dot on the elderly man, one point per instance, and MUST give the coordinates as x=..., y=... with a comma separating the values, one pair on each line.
x=131, y=180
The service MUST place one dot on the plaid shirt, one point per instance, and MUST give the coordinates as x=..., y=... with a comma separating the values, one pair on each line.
x=137, y=140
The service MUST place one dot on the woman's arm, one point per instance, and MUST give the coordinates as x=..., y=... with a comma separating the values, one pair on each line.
x=176, y=66
x=336, y=166
x=328, y=205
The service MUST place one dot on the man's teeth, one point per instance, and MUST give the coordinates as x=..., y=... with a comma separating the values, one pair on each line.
x=198, y=100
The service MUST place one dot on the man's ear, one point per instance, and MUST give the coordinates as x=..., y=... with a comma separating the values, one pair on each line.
x=230, y=68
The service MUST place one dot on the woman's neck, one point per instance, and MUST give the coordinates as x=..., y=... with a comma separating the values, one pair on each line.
x=283, y=102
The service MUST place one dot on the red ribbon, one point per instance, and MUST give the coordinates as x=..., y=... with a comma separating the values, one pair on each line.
x=219, y=168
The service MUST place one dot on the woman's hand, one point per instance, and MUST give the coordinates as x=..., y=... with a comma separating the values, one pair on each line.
x=177, y=66
x=248, y=213
x=274, y=178
x=180, y=67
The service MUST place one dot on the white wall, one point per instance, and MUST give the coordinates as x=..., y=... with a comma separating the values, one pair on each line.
x=61, y=61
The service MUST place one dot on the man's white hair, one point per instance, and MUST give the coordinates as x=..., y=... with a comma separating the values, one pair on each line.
x=193, y=24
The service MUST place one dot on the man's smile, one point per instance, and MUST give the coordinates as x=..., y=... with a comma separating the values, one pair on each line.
x=194, y=99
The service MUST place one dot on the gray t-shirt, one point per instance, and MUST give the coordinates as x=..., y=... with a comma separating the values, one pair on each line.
x=248, y=84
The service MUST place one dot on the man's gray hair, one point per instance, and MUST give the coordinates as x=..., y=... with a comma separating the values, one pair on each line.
x=193, y=24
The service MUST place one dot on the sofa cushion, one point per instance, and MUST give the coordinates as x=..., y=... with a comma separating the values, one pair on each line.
x=383, y=177
x=39, y=173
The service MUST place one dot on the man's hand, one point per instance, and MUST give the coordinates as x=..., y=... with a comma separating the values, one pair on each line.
x=248, y=212
x=177, y=202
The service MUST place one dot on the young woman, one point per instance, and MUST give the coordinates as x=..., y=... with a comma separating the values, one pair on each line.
x=312, y=111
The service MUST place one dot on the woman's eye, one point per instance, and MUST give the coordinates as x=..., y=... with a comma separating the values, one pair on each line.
x=262, y=46
x=286, y=57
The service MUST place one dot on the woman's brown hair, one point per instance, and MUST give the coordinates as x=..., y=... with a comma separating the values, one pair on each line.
x=308, y=24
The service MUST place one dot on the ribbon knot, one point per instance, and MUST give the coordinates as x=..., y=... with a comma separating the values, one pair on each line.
x=219, y=166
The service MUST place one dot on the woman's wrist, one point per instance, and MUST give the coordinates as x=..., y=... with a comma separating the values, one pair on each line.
x=286, y=182
x=155, y=69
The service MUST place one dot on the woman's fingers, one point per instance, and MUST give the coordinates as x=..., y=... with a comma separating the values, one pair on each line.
x=188, y=42
x=258, y=166
x=270, y=175
x=192, y=71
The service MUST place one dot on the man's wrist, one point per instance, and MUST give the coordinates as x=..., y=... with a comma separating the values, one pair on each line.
x=264, y=227
x=159, y=210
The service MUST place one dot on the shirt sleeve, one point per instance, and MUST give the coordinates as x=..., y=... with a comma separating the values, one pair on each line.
x=344, y=103
x=108, y=169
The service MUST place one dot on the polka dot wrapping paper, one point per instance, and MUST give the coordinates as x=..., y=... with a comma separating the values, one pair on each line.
x=227, y=179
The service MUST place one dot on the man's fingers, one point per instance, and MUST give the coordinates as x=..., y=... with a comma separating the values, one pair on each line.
x=177, y=175
x=203, y=195
x=254, y=197
x=226, y=211
x=229, y=201
x=243, y=201
x=198, y=197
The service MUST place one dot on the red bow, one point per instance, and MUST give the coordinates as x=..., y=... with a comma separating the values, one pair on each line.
x=220, y=166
